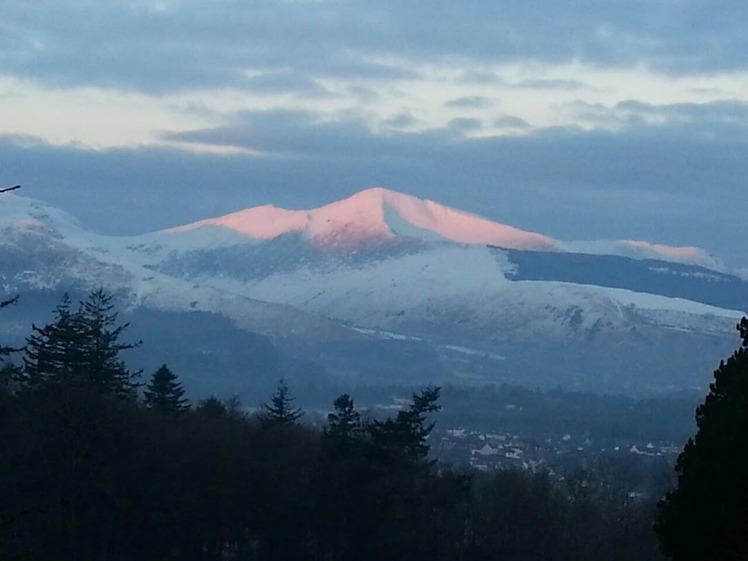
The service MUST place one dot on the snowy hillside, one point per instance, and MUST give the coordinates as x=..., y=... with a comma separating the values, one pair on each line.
x=380, y=215
x=484, y=300
x=374, y=215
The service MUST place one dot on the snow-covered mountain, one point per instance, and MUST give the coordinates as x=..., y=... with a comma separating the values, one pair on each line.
x=382, y=216
x=383, y=280
x=374, y=215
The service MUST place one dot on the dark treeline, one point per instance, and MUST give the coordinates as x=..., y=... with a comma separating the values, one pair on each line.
x=95, y=466
x=87, y=475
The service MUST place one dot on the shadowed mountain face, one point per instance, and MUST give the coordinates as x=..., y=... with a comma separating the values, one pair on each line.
x=383, y=287
x=650, y=276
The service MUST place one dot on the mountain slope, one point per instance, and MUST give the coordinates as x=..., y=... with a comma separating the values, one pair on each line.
x=383, y=275
x=374, y=215
x=378, y=215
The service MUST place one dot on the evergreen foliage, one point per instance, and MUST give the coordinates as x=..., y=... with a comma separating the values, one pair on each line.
x=407, y=434
x=165, y=392
x=81, y=346
x=706, y=516
x=88, y=476
x=5, y=351
x=344, y=424
x=211, y=407
x=8, y=371
x=280, y=411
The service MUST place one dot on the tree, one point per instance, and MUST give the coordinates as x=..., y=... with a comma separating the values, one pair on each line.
x=345, y=423
x=407, y=434
x=211, y=407
x=5, y=351
x=706, y=516
x=102, y=345
x=81, y=346
x=165, y=392
x=280, y=411
x=51, y=350
x=7, y=371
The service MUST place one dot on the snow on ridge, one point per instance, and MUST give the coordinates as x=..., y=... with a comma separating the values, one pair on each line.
x=460, y=226
x=679, y=254
x=375, y=214
x=30, y=214
x=378, y=214
x=369, y=216
x=263, y=222
x=639, y=249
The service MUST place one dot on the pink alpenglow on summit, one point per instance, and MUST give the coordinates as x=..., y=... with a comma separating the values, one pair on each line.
x=376, y=215
x=678, y=254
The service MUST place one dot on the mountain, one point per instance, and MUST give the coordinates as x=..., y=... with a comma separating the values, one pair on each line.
x=375, y=215
x=384, y=287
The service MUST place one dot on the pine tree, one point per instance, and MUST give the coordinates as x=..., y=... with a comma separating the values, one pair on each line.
x=706, y=516
x=345, y=422
x=165, y=392
x=212, y=407
x=5, y=351
x=407, y=434
x=280, y=411
x=51, y=351
x=101, y=345
x=81, y=346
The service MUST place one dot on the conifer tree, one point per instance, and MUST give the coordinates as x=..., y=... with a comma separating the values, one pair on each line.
x=280, y=411
x=80, y=346
x=211, y=407
x=706, y=516
x=102, y=346
x=52, y=350
x=5, y=351
x=165, y=392
x=407, y=434
x=345, y=421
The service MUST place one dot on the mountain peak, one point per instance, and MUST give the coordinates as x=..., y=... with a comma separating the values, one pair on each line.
x=26, y=214
x=375, y=215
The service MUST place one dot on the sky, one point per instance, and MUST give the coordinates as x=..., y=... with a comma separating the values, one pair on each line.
x=581, y=120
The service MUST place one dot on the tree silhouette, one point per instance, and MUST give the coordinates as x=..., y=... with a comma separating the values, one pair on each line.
x=706, y=516
x=280, y=411
x=165, y=392
x=81, y=346
x=344, y=424
x=5, y=351
x=407, y=434
x=211, y=407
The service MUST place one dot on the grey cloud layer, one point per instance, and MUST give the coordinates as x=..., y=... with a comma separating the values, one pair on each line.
x=196, y=43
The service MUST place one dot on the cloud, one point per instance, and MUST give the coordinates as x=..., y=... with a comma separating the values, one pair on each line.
x=478, y=77
x=462, y=125
x=551, y=84
x=288, y=82
x=510, y=121
x=191, y=44
x=718, y=120
x=469, y=102
x=401, y=121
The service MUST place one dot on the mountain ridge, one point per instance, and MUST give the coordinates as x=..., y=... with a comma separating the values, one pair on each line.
x=376, y=215
x=373, y=214
x=553, y=317
x=380, y=215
